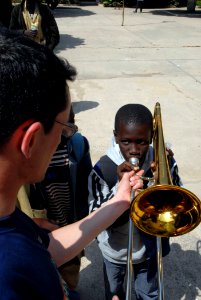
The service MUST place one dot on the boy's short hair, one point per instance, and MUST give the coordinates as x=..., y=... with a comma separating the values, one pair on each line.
x=32, y=83
x=133, y=114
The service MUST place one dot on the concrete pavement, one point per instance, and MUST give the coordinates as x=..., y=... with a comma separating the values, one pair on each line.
x=155, y=56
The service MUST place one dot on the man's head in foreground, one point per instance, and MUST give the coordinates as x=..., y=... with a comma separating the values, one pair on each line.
x=34, y=95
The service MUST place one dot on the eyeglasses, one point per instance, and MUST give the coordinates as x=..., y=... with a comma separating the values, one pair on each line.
x=70, y=128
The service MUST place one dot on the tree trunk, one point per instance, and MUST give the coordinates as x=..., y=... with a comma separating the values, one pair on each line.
x=191, y=5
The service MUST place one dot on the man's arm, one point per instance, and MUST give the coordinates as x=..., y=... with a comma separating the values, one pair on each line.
x=68, y=241
x=103, y=185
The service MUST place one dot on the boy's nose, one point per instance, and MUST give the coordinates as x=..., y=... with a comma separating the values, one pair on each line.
x=134, y=149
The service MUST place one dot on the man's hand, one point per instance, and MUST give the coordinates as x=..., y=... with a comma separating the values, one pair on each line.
x=136, y=181
x=129, y=181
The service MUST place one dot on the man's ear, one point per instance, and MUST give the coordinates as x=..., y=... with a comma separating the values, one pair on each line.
x=31, y=139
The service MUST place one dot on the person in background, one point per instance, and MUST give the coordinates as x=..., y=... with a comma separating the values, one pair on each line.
x=139, y=5
x=36, y=21
x=64, y=195
x=52, y=3
x=5, y=12
x=133, y=130
x=35, y=105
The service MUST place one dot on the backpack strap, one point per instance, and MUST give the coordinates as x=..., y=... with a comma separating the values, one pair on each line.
x=108, y=171
x=78, y=146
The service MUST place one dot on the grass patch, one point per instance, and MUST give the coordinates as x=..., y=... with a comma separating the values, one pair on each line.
x=198, y=3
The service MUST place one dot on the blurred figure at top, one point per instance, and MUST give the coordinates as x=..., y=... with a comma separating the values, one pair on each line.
x=36, y=21
x=139, y=5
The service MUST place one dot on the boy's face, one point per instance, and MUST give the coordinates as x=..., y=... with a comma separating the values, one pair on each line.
x=133, y=140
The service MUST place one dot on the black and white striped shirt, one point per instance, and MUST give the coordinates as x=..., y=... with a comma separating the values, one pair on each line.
x=57, y=187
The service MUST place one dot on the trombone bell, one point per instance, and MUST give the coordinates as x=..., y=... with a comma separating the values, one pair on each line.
x=166, y=211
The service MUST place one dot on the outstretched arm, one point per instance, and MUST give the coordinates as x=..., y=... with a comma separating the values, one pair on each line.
x=68, y=241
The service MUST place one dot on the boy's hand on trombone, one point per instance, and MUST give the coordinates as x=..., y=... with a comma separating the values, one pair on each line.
x=124, y=168
x=169, y=154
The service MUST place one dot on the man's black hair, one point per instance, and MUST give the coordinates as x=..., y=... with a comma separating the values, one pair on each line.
x=133, y=114
x=32, y=83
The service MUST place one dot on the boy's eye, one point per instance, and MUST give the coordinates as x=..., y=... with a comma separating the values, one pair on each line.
x=142, y=142
x=125, y=142
x=138, y=142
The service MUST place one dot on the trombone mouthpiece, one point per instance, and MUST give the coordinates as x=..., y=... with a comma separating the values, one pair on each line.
x=134, y=161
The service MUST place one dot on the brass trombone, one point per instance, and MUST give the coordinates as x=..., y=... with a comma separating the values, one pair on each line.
x=164, y=210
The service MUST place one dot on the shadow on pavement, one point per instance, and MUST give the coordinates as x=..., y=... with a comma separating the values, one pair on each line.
x=176, y=12
x=83, y=105
x=71, y=11
x=67, y=41
x=91, y=285
x=187, y=264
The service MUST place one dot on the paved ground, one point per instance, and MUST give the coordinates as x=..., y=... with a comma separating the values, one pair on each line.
x=155, y=56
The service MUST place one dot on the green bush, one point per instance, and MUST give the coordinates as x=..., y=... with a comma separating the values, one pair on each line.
x=112, y=3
